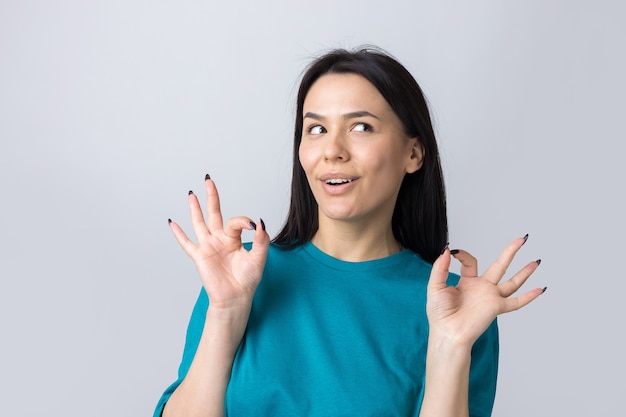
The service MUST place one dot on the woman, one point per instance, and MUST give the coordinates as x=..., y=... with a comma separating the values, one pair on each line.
x=350, y=311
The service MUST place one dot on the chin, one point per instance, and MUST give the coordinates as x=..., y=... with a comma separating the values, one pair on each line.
x=336, y=215
x=339, y=214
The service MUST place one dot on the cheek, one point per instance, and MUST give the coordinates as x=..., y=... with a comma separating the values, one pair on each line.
x=304, y=155
x=373, y=158
x=388, y=164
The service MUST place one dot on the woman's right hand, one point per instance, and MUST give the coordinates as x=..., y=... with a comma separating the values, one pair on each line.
x=230, y=274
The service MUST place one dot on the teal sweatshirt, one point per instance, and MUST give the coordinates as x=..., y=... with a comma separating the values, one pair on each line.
x=327, y=337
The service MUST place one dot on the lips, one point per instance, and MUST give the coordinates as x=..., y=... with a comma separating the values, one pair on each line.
x=337, y=183
x=336, y=178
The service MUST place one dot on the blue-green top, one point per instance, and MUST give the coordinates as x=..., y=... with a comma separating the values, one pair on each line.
x=327, y=337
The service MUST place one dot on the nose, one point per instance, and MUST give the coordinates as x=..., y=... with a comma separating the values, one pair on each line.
x=335, y=148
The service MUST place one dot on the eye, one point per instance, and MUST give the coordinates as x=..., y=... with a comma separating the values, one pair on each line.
x=316, y=130
x=362, y=127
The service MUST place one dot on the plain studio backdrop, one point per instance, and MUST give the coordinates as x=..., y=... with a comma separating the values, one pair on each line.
x=110, y=111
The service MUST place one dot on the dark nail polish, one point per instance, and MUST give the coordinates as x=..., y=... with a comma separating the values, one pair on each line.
x=252, y=225
x=538, y=261
x=454, y=251
x=169, y=221
x=525, y=239
x=544, y=289
x=207, y=177
x=190, y=192
x=445, y=247
x=262, y=225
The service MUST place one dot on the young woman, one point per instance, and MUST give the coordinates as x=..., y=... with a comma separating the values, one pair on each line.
x=350, y=311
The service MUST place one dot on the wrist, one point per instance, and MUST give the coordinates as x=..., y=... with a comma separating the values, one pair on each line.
x=232, y=316
x=229, y=319
x=453, y=336
x=448, y=345
x=230, y=308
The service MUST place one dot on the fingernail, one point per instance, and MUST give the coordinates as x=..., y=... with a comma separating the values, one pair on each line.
x=445, y=247
x=207, y=177
x=190, y=192
x=169, y=221
x=454, y=251
x=538, y=261
x=544, y=289
x=252, y=225
x=525, y=239
x=262, y=225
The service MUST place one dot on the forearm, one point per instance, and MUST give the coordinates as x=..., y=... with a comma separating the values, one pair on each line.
x=202, y=392
x=447, y=378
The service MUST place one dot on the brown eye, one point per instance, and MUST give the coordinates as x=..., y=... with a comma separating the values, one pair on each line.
x=362, y=127
x=316, y=130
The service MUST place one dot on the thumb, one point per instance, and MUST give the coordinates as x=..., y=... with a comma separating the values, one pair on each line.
x=439, y=272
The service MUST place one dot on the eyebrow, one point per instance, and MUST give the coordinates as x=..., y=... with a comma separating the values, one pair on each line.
x=351, y=115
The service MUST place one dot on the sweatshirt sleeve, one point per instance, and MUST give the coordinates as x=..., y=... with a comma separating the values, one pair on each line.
x=484, y=372
x=194, y=332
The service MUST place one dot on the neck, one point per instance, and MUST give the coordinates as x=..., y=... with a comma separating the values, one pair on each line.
x=353, y=243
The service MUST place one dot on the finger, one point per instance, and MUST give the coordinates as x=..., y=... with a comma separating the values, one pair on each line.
x=439, y=272
x=469, y=264
x=513, y=284
x=512, y=304
x=260, y=244
x=197, y=219
x=496, y=270
x=182, y=239
x=214, y=214
x=235, y=226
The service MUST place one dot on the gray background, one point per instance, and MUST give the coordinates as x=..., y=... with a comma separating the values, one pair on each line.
x=111, y=110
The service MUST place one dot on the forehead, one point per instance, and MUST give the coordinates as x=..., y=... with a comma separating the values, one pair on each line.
x=348, y=92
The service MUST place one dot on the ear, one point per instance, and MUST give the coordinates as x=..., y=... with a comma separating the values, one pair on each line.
x=416, y=158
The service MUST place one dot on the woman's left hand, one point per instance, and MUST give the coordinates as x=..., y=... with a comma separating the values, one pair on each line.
x=462, y=313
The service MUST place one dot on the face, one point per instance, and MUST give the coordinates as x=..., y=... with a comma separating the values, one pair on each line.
x=354, y=150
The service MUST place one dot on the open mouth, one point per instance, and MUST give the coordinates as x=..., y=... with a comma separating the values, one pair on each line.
x=338, y=181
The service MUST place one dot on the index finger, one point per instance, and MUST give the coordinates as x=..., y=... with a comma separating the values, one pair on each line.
x=469, y=264
x=496, y=270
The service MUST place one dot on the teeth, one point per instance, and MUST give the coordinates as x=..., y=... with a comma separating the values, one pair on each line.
x=338, y=181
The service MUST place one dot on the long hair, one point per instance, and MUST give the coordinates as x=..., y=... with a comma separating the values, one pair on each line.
x=419, y=219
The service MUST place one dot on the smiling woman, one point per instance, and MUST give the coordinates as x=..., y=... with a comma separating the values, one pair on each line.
x=351, y=309
x=355, y=154
x=419, y=217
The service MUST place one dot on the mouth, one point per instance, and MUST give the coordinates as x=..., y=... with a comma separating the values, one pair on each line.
x=338, y=181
